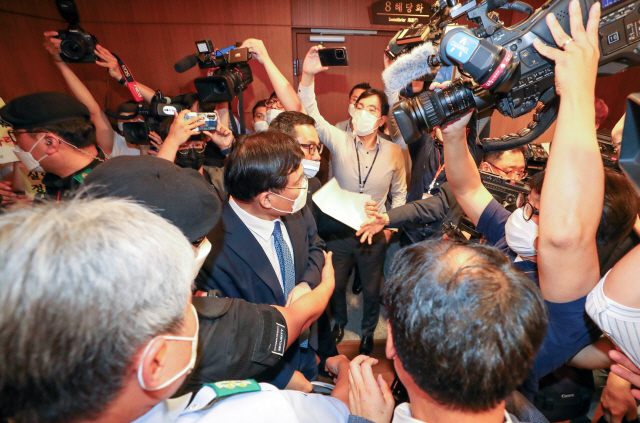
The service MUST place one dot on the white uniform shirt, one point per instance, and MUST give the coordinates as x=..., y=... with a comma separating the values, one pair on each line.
x=268, y=405
x=402, y=414
x=262, y=231
x=121, y=148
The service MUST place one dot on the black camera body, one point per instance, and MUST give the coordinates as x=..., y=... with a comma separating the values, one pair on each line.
x=232, y=77
x=157, y=111
x=505, y=191
x=506, y=71
x=77, y=45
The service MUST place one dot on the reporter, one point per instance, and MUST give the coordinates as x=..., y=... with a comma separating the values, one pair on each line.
x=363, y=162
x=259, y=113
x=354, y=94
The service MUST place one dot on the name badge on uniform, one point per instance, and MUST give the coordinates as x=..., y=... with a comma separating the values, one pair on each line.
x=233, y=387
x=281, y=340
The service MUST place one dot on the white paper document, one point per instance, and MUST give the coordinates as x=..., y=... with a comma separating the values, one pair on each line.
x=344, y=206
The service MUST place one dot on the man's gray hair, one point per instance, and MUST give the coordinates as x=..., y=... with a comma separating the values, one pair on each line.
x=84, y=284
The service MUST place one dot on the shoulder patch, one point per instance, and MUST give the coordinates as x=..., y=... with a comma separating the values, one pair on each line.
x=281, y=340
x=233, y=387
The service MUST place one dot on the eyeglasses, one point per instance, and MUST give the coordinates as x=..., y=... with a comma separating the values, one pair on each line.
x=12, y=134
x=312, y=148
x=370, y=109
x=512, y=174
x=198, y=149
x=353, y=99
x=304, y=183
x=528, y=211
x=273, y=102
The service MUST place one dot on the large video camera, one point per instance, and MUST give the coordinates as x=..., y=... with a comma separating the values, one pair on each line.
x=77, y=44
x=231, y=78
x=504, y=69
x=158, y=110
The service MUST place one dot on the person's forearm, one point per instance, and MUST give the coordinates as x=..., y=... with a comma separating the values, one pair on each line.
x=147, y=93
x=462, y=172
x=341, y=390
x=168, y=151
x=594, y=356
x=305, y=310
x=104, y=132
x=572, y=202
x=308, y=79
x=285, y=92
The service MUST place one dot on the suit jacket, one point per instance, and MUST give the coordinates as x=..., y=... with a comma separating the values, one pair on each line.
x=238, y=267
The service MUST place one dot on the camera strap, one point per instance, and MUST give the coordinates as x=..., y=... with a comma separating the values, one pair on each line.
x=131, y=82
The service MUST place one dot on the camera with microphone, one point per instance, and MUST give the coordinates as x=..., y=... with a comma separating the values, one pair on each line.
x=502, y=69
x=232, y=76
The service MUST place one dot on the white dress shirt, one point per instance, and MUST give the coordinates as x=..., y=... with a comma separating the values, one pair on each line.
x=402, y=414
x=262, y=230
x=267, y=405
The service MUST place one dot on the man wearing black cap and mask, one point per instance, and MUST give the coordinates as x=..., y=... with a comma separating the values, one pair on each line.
x=53, y=133
x=256, y=334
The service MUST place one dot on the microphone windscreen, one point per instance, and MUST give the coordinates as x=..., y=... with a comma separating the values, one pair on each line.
x=409, y=67
x=186, y=63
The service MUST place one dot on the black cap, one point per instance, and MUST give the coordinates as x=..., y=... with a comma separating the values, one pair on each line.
x=182, y=196
x=42, y=109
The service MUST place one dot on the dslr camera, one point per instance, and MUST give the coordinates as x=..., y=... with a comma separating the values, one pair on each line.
x=77, y=44
x=503, y=70
x=232, y=76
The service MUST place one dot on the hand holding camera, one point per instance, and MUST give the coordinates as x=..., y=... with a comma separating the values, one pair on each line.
x=312, y=65
x=181, y=130
x=257, y=48
x=577, y=58
x=52, y=45
x=221, y=136
x=107, y=60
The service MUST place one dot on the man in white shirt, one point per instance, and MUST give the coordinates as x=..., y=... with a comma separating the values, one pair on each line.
x=354, y=94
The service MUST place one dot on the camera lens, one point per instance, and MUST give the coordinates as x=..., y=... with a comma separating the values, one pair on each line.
x=136, y=132
x=73, y=49
x=339, y=54
x=429, y=109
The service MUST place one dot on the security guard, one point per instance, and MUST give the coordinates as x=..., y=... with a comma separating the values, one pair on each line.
x=53, y=133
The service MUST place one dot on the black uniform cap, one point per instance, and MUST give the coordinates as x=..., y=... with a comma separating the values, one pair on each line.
x=181, y=196
x=42, y=109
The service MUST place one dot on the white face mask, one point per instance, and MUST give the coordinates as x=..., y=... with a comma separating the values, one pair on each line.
x=120, y=126
x=352, y=110
x=27, y=158
x=298, y=203
x=260, y=125
x=311, y=167
x=521, y=234
x=192, y=363
x=203, y=251
x=271, y=115
x=364, y=123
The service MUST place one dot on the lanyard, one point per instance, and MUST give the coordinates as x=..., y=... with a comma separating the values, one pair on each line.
x=360, y=182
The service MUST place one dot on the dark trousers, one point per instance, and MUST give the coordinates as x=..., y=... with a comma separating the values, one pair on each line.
x=370, y=262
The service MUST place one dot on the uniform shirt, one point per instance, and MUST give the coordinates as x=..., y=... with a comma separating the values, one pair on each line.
x=268, y=405
x=262, y=230
x=388, y=175
x=121, y=148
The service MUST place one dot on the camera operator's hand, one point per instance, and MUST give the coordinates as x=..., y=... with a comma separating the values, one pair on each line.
x=617, y=401
x=257, y=48
x=108, y=60
x=312, y=65
x=577, y=58
x=52, y=44
x=222, y=137
x=181, y=130
x=626, y=370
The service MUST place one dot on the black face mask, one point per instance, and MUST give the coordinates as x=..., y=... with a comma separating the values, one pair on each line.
x=193, y=159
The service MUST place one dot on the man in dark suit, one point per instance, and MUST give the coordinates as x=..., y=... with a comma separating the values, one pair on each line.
x=265, y=248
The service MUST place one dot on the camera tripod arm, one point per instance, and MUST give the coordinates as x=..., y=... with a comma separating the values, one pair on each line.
x=543, y=118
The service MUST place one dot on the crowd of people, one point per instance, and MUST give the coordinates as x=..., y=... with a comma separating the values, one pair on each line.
x=192, y=278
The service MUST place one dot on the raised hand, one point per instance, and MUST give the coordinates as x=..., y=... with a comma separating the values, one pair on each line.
x=312, y=65
x=108, y=60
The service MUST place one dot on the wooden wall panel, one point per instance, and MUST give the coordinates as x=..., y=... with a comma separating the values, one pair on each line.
x=348, y=14
x=149, y=49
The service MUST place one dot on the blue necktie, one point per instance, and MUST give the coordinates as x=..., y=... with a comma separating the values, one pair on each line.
x=287, y=270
